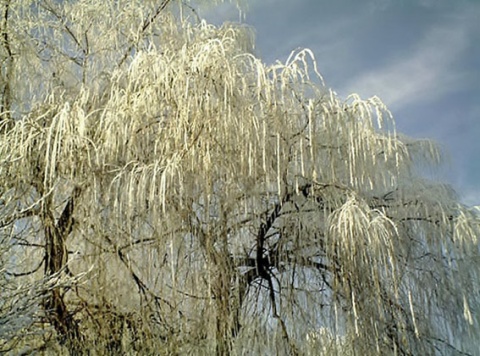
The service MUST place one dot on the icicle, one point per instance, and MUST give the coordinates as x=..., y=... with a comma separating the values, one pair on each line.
x=279, y=175
x=355, y=315
x=417, y=334
x=466, y=311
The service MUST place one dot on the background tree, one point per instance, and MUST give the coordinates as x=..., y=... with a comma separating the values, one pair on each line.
x=163, y=190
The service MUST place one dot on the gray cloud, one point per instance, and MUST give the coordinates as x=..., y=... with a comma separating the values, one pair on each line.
x=424, y=75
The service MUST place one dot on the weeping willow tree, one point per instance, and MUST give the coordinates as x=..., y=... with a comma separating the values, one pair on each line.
x=164, y=191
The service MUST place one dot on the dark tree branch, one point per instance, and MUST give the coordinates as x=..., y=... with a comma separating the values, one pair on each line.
x=5, y=104
x=146, y=24
x=22, y=274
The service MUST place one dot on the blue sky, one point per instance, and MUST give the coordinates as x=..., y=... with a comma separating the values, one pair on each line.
x=421, y=57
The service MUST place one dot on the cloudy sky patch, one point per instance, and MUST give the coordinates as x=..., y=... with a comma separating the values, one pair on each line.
x=423, y=75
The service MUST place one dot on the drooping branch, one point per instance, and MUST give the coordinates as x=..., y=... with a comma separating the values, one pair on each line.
x=22, y=274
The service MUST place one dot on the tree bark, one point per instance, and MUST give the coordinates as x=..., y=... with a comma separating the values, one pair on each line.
x=56, y=258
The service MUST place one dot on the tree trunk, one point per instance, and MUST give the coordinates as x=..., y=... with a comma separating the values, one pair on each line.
x=56, y=257
x=226, y=328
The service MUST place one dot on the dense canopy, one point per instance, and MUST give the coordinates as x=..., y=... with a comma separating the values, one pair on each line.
x=164, y=190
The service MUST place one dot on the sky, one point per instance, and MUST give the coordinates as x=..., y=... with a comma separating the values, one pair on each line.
x=421, y=57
